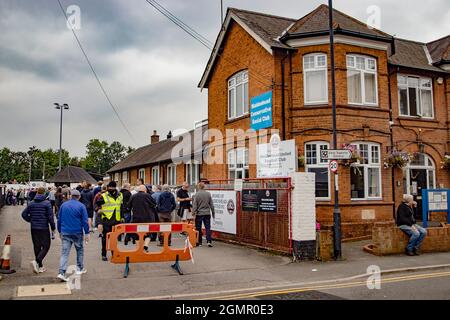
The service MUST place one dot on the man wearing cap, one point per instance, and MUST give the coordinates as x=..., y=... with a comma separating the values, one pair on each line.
x=110, y=209
x=72, y=223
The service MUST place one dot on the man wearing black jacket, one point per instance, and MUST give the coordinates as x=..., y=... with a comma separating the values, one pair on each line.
x=407, y=223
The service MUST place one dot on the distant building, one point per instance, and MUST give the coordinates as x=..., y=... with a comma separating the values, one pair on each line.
x=71, y=176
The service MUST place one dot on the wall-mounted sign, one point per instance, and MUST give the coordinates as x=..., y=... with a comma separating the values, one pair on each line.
x=276, y=159
x=261, y=111
x=259, y=200
x=225, y=209
x=341, y=154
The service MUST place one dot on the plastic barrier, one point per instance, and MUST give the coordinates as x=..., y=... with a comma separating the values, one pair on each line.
x=138, y=254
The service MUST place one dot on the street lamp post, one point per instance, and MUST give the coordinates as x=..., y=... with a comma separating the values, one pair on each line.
x=336, y=210
x=63, y=107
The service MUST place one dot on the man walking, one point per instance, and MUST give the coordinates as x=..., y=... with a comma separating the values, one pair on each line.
x=87, y=198
x=51, y=197
x=202, y=208
x=72, y=222
x=110, y=204
x=39, y=213
x=166, y=204
x=184, y=211
x=407, y=223
x=143, y=208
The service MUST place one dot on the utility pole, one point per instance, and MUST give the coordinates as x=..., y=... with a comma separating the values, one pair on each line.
x=221, y=12
x=336, y=210
x=61, y=108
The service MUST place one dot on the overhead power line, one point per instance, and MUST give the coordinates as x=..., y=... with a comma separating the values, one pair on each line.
x=204, y=41
x=102, y=88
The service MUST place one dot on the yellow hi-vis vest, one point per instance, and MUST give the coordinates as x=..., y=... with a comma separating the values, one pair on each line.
x=110, y=205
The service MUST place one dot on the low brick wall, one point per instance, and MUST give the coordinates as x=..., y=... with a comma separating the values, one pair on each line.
x=387, y=239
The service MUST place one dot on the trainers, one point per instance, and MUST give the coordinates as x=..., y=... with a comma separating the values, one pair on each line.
x=198, y=245
x=409, y=253
x=35, y=266
x=104, y=258
x=80, y=272
x=210, y=244
x=42, y=269
x=145, y=248
x=62, y=277
x=416, y=251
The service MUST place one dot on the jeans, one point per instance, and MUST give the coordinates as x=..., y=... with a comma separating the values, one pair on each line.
x=198, y=226
x=67, y=240
x=41, y=244
x=106, y=229
x=416, y=237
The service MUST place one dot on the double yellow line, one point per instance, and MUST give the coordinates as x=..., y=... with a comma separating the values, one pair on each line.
x=330, y=286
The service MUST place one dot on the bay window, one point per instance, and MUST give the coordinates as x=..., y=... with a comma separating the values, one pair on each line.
x=362, y=80
x=365, y=174
x=238, y=95
x=313, y=163
x=315, y=78
x=238, y=163
x=415, y=96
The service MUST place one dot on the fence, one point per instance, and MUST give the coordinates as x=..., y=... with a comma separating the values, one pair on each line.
x=268, y=230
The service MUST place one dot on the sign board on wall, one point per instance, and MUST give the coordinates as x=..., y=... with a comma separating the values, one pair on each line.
x=225, y=209
x=276, y=159
x=261, y=111
x=259, y=200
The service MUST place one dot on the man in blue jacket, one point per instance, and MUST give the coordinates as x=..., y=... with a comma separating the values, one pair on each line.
x=39, y=214
x=72, y=221
x=166, y=204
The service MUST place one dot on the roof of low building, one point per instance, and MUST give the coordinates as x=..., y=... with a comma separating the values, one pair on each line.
x=72, y=174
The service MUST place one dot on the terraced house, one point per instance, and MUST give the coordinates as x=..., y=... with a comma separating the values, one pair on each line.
x=392, y=95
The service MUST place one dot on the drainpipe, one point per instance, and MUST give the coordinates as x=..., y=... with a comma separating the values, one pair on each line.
x=283, y=107
x=391, y=123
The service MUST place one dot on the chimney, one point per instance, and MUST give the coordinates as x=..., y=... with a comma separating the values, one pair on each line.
x=154, y=137
x=169, y=135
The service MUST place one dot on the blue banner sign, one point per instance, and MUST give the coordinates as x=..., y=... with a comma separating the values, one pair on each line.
x=261, y=111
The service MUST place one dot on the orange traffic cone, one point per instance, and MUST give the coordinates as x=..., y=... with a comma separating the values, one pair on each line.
x=5, y=262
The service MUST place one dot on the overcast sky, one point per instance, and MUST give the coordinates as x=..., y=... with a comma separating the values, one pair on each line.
x=149, y=66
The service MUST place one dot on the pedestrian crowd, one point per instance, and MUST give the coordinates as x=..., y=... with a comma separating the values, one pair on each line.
x=87, y=209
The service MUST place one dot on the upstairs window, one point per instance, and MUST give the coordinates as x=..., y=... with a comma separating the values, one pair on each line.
x=315, y=78
x=415, y=96
x=238, y=95
x=362, y=80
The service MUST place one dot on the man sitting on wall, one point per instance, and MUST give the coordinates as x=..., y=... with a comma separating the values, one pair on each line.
x=407, y=223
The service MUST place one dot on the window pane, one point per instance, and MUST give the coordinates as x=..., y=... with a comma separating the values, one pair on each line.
x=246, y=97
x=374, y=182
x=413, y=82
x=403, y=94
x=401, y=80
x=370, y=89
x=426, y=104
x=322, y=147
x=321, y=61
x=311, y=156
x=231, y=103
x=232, y=174
x=308, y=62
x=239, y=101
x=350, y=61
x=321, y=181
x=371, y=64
x=360, y=63
x=315, y=86
x=354, y=86
x=412, y=101
x=364, y=152
x=357, y=182
x=375, y=154
x=431, y=183
x=426, y=83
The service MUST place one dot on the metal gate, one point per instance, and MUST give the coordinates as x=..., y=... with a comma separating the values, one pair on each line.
x=268, y=230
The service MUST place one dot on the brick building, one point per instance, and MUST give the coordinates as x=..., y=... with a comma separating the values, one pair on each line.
x=171, y=161
x=391, y=94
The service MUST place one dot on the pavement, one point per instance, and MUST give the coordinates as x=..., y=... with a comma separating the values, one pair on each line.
x=223, y=270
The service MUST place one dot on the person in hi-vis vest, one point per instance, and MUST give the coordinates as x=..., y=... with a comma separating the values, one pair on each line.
x=111, y=210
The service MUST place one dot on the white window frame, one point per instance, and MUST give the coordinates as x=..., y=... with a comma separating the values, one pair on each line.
x=429, y=168
x=232, y=86
x=366, y=167
x=155, y=173
x=319, y=164
x=316, y=67
x=124, y=177
x=233, y=162
x=362, y=72
x=117, y=177
x=419, y=89
x=192, y=170
x=172, y=175
x=141, y=174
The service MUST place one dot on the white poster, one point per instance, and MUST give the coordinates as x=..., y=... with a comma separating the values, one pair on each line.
x=225, y=209
x=276, y=159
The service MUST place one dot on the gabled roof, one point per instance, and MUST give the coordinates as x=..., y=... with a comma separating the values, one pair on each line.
x=440, y=50
x=71, y=174
x=411, y=54
x=317, y=21
x=158, y=152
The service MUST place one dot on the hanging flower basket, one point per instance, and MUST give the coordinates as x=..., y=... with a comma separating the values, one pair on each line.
x=356, y=156
x=398, y=159
x=301, y=161
x=445, y=163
